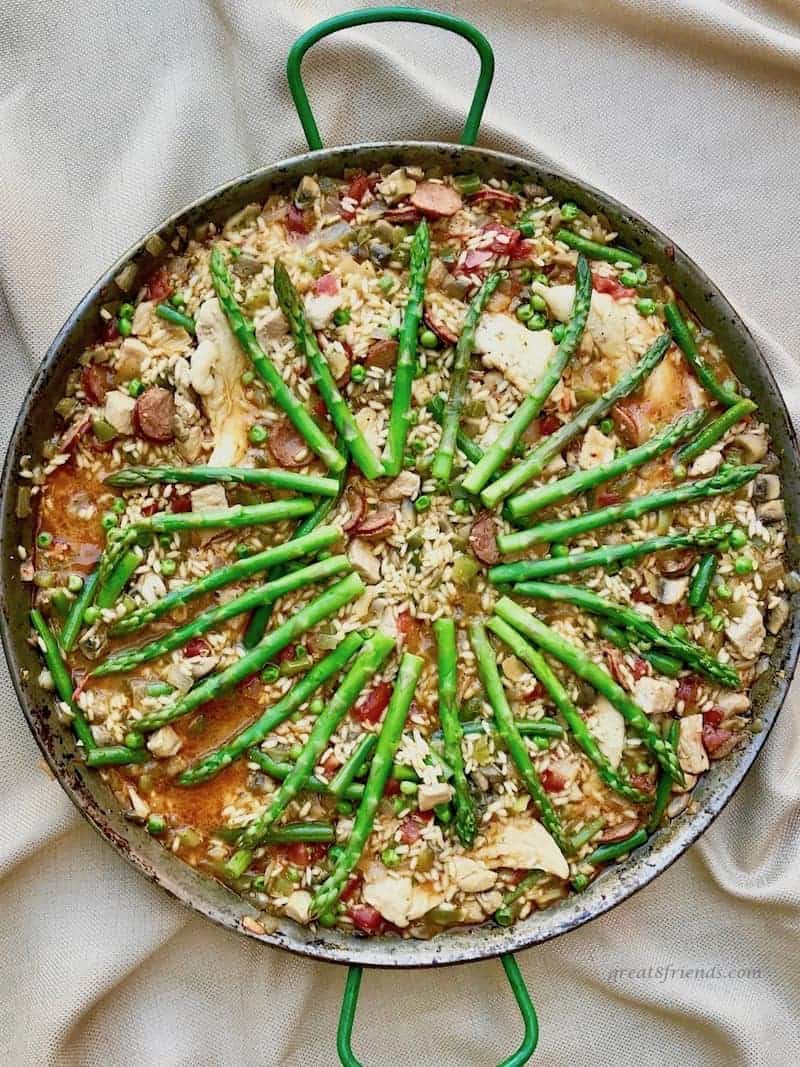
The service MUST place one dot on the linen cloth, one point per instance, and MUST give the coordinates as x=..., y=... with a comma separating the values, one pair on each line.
x=112, y=115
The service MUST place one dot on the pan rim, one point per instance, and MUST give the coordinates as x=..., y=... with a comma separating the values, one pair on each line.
x=616, y=884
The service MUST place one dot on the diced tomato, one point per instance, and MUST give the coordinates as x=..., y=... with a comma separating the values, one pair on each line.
x=607, y=496
x=358, y=187
x=198, y=646
x=300, y=854
x=552, y=780
x=536, y=693
x=159, y=287
x=392, y=788
x=642, y=595
x=714, y=737
x=523, y=251
x=687, y=690
x=549, y=424
x=374, y=703
x=180, y=503
x=251, y=688
x=296, y=220
x=518, y=874
x=366, y=919
x=332, y=764
x=327, y=285
x=505, y=239
x=476, y=257
x=110, y=330
x=351, y=888
x=150, y=507
x=286, y=654
x=639, y=668
x=603, y=283
x=95, y=382
x=643, y=782
x=713, y=717
x=411, y=827
x=405, y=623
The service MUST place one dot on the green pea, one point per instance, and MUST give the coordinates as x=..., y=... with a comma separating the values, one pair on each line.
x=538, y=302
x=409, y=789
x=235, y=252
x=428, y=339
x=680, y=631
x=91, y=615
x=723, y=591
x=389, y=857
x=738, y=538
x=134, y=740
x=744, y=565
x=270, y=673
x=125, y=327
x=461, y=507
x=717, y=622
x=109, y=520
x=248, y=377
x=607, y=426
x=44, y=540
x=327, y=919
x=293, y=874
x=242, y=550
x=357, y=373
x=524, y=312
x=178, y=300
x=646, y=306
x=679, y=472
x=641, y=275
x=504, y=916
x=526, y=275
x=628, y=278
x=165, y=540
x=168, y=567
x=135, y=387
x=422, y=503
x=569, y=211
x=541, y=278
x=399, y=804
x=537, y=322
x=526, y=228
x=126, y=311
x=344, y=807
x=74, y=583
x=257, y=434
x=341, y=316
x=559, y=551
x=558, y=332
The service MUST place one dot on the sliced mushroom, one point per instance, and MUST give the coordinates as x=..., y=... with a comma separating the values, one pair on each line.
x=778, y=616
x=705, y=464
x=747, y=632
x=672, y=590
x=772, y=511
x=753, y=446
x=766, y=487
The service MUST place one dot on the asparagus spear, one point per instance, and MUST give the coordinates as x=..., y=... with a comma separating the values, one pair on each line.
x=613, y=851
x=703, y=373
x=544, y=496
x=664, y=787
x=419, y=265
x=380, y=768
x=292, y=833
x=62, y=681
x=466, y=818
x=232, y=518
x=504, y=916
x=692, y=655
x=660, y=661
x=591, y=829
x=260, y=617
x=368, y=661
x=605, y=556
x=701, y=583
x=594, y=250
x=130, y=658
x=350, y=769
x=267, y=371
x=119, y=577
x=281, y=769
x=443, y=460
x=116, y=756
x=539, y=728
x=585, y=668
x=306, y=345
x=216, y=685
x=74, y=621
x=213, y=762
x=464, y=443
x=540, y=455
x=500, y=450
x=560, y=697
x=504, y=720
x=565, y=529
x=274, y=477
x=177, y=318
x=233, y=572
x=715, y=430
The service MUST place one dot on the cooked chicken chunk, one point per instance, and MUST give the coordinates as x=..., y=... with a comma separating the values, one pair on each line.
x=520, y=354
x=655, y=696
x=747, y=632
x=692, y=755
x=522, y=842
x=218, y=364
x=608, y=728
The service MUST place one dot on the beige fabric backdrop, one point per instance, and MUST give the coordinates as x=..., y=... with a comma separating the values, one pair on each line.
x=113, y=115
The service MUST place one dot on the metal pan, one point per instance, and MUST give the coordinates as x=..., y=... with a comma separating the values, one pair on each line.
x=37, y=421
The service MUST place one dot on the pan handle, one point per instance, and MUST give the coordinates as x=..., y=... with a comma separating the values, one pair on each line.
x=518, y=988
x=389, y=14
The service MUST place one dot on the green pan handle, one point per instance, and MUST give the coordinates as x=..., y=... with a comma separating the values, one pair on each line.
x=518, y=987
x=389, y=14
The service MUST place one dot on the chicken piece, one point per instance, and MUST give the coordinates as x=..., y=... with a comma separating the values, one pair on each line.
x=747, y=633
x=164, y=743
x=753, y=446
x=218, y=364
x=766, y=487
x=733, y=703
x=179, y=676
x=364, y=560
x=321, y=306
x=391, y=896
x=608, y=729
x=519, y=353
x=596, y=450
x=778, y=617
x=771, y=511
x=130, y=359
x=692, y=755
x=705, y=464
x=672, y=590
x=396, y=186
x=423, y=899
x=471, y=876
x=404, y=487
x=369, y=424
x=298, y=906
x=655, y=696
x=271, y=325
x=119, y=411
x=208, y=498
x=188, y=421
x=429, y=796
x=524, y=843
x=144, y=318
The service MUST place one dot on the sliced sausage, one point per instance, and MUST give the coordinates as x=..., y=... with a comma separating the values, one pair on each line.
x=74, y=433
x=356, y=507
x=483, y=539
x=620, y=831
x=676, y=564
x=402, y=213
x=499, y=196
x=377, y=525
x=95, y=382
x=154, y=414
x=436, y=200
x=382, y=354
x=287, y=446
x=444, y=333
